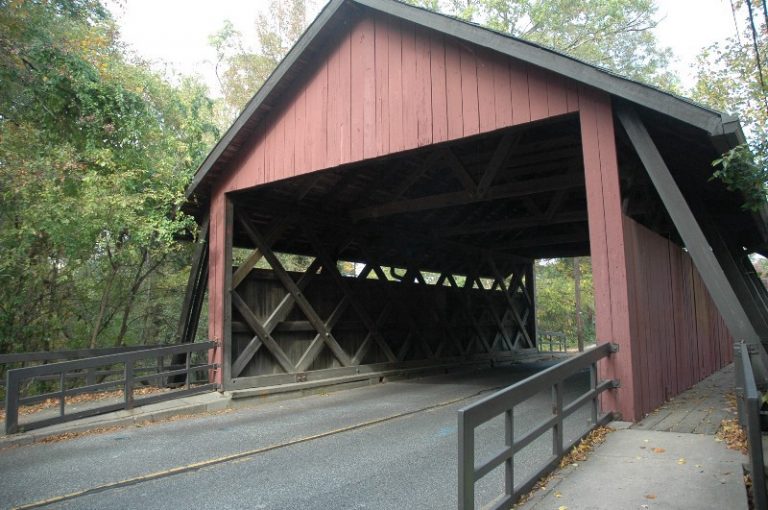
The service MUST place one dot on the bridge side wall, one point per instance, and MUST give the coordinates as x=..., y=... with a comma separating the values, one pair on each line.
x=680, y=335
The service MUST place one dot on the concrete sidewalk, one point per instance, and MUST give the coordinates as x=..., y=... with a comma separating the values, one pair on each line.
x=669, y=460
x=647, y=469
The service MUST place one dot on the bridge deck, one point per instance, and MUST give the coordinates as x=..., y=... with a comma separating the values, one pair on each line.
x=385, y=446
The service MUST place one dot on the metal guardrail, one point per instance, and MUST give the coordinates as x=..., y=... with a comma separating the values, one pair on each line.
x=504, y=402
x=749, y=402
x=25, y=359
x=16, y=377
x=552, y=339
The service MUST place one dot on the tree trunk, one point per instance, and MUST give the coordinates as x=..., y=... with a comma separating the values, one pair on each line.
x=102, y=308
x=577, y=302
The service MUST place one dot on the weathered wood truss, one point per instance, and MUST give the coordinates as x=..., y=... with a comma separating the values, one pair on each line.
x=290, y=326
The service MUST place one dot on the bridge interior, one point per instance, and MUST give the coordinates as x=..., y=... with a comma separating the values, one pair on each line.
x=423, y=258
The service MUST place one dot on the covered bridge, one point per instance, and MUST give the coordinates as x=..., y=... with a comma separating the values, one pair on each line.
x=442, y=159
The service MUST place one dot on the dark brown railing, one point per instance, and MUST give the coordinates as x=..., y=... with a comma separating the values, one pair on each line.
x=76, y=377
x=551, y=341
x=749, y=402
x=27, y=359
x=504, y=401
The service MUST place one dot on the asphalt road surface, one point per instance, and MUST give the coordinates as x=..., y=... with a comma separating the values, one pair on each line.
x=388, y=446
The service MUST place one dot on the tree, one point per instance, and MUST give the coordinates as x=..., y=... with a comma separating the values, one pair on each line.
x=557, y=296
x=615, y=34
x=95, y=151
x=730, y=78
x=242, y=69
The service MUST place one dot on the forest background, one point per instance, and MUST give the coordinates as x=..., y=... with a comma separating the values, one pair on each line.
x=97, y=146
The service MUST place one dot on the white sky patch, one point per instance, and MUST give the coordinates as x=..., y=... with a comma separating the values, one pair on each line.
x=688, y=26
x=175, y=32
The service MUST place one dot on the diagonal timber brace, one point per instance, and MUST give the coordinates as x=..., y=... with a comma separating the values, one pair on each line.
x=720, y=288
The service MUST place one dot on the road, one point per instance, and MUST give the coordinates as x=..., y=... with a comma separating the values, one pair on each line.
x=388, y=446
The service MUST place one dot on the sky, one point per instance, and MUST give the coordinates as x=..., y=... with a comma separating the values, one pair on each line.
x=175, y=32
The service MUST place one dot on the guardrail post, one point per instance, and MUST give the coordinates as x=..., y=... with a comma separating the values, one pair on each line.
x=12, y=387
x=595, y=408
x=466, y=464
x=509, y=441
x=128, y=387
x=188, y=363
x=739, y=386
x=90, y=376
x=557, y=410
x=62, y=394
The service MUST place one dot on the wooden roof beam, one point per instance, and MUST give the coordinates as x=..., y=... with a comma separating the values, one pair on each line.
x=513, y=224
x=452, y=199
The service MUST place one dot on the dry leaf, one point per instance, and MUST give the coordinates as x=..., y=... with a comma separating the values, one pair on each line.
x=731, y=432
x=658, y=450
x=681, y=460
x=562, y=507
x=558, y=495
x=650, y=496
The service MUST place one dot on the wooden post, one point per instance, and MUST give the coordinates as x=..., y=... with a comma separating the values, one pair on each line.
x=606, y=237
x=219, y=275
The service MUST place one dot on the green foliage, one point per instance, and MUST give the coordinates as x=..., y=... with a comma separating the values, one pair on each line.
x=95, y=152
x=242, y=69
x=615, y=34
x=555, y=298
x=728, y=79
x=744, y=172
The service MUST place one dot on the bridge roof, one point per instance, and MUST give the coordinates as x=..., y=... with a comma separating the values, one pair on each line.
x=724, y=130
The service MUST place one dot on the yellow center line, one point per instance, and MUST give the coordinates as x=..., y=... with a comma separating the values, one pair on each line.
x=236, y=456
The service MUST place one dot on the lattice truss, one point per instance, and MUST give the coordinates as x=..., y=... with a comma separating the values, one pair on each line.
x=294, y=323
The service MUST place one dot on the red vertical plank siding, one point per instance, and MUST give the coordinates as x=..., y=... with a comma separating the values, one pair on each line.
x=301, y=162
x=518, y=79
x=344, y=116
x=388, y=86
x=674, y=322
x=469, y=101
x=369, y=88
x=680, y=367
x=278, y=171
x=486, y=92
x=572, y=96
x=606, y=234
x=637, y=322
x=557, y=97
x=439, y=93
x=395, y=89
x=502, y=99
x=408, y=62
x=382, y=86
x=334, y=118
x=453, y=89
x=423, y=88
x=358, y=97
x=216, y=249
x=537, y=90
x=690, y=310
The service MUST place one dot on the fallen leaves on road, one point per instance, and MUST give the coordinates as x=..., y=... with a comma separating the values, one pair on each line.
x=650, y=496
x=734, y=437
x=681, y=461
x=658, y=450
x=51, y=403
x=104, y=430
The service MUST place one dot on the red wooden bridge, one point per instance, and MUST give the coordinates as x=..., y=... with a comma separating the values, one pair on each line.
x=442, y=159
